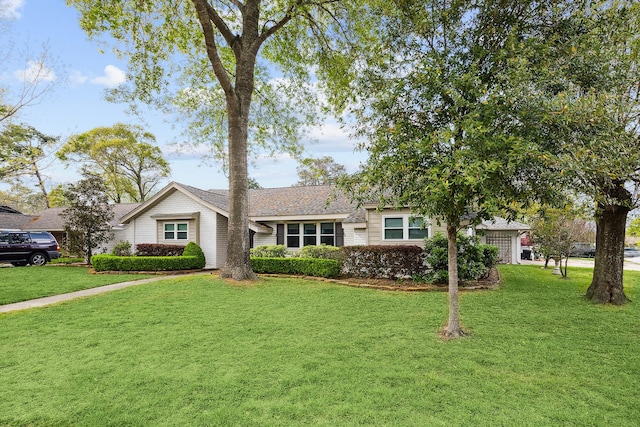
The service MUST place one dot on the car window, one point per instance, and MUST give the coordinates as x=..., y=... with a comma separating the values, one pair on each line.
x=18, y=238
x=41, y=237
x=4, y=238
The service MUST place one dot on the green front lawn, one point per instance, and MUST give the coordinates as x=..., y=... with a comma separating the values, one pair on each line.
x=25, y=283
x=199, y=351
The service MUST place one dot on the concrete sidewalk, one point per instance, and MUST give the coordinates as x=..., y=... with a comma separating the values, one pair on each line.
x=54, y=299
x=629, y=263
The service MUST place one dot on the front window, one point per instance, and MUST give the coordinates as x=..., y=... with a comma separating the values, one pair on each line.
x=176, y=231
x=310, y=234
x=293, y=235
x=404, y=227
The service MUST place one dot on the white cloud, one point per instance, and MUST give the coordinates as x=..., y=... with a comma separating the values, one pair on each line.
x=77, y=78
x=10, y=9
x=113, y=76
x=35, y=72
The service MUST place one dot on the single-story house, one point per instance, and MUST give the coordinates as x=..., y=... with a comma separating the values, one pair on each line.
x=292, y=216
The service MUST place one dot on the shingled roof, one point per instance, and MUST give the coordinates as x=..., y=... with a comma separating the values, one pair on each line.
x=52, y=220
x=298, y=201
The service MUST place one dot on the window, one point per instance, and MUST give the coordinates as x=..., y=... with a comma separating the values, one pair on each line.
x=176, y=231
x=417, y=228
x=404, y=227
x=327, y=233
x=310, y=237
x=293, y=235
x=312, y=234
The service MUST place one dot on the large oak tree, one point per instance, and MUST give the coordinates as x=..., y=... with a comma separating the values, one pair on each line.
x=217, y=51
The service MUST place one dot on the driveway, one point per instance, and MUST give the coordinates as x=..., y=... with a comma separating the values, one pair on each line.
x=629, y=263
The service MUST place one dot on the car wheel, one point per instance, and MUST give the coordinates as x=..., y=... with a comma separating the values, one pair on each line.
x=38, y=259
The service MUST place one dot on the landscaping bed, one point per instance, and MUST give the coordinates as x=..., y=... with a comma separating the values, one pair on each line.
x=491, y=282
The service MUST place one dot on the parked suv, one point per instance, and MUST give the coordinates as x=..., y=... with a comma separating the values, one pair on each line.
x=28, y=247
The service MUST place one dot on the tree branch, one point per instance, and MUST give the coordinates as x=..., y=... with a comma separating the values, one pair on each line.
x=202, y=7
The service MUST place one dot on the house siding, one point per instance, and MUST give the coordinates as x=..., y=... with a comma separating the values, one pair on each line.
x=146, y=229
x=221, y=239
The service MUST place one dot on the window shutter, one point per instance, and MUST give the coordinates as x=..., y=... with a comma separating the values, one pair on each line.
x=339, y=234
x=280, y=234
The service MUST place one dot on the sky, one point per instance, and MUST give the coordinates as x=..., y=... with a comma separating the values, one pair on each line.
x=81, y=73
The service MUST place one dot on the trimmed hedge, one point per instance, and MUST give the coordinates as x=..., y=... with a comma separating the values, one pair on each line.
x=390, y=262
x=304, y=266
x=158, y=249
x=192, y=258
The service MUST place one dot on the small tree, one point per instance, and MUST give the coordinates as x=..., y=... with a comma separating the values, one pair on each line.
x=88, y=214
x=556, y=231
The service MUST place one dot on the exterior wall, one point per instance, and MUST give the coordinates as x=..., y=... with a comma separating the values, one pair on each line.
x=265, y=239
x=354, y=235
x=145, y=229
x=221, y=238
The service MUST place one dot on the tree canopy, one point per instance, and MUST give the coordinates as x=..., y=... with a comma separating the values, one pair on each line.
x=438, y=103
x=207, y=60
x=320, y=171
x=124, y=156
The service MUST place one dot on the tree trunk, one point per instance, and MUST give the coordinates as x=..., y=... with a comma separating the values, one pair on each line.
x=238, y=263
x=606, y=285
x=453, y=329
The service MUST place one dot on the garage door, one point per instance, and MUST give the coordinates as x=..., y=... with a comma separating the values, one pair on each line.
x=503, y=243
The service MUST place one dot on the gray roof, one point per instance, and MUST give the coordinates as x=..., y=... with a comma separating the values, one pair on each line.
x=13, y=221
x=298, y=201
x=502, y=224
x=52, y=220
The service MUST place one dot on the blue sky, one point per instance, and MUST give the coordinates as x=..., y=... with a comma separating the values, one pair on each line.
x=80, y=74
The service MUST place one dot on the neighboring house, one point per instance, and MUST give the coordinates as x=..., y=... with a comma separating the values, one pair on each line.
x=51, y=220
x=292, y=216
x=11, y=219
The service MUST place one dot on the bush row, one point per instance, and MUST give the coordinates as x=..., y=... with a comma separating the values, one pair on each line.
x=390, y=262
x=156, y=249
x=192, y=258
x=305, y=266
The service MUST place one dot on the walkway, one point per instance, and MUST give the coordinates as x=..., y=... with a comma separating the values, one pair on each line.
x=54, y=299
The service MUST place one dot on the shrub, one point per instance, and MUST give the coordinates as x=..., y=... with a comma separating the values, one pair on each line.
x=305, y=266
x=192, y=258
x=392, y=262
x=274, y=251
x=475, y=260
x=156, y=249
x=122, y=248
x=322, y=252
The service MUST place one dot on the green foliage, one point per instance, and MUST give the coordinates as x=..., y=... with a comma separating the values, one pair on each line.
x=475, y=260
x=122, y=248
x=194, y=250
x=634, y=227
x=320, y=171
x=192, y=258
x=322, y=251
x=125, y=157
x=304, y=266
x=273, y=251
x=88, y=215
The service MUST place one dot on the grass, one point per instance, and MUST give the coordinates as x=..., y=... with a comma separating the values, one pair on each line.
x=199, y=351
x=25, y=283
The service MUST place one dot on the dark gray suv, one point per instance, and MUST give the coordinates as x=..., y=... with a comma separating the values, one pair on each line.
x=28, y=247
